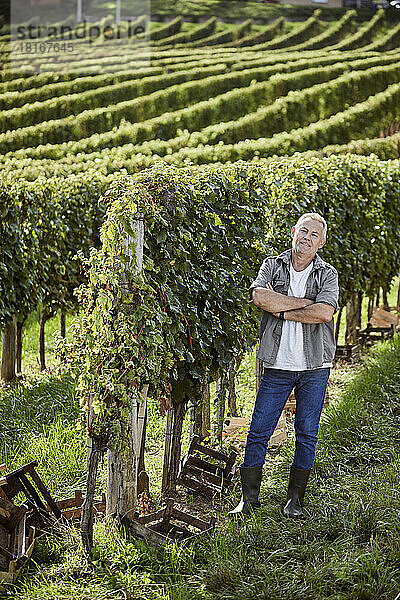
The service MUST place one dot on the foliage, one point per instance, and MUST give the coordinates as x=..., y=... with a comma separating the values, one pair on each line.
x=166, y=30
x=333, y=34
x=304, y=32
x=183, y=313
x=387, y=42
x=381, y=111
x=52, y=220
x=225, y=37
x=75, y=104
x=51, y=89
x=363, y=35
x=384, y=148
x=262, y=36
x=202, y=31
x=285, y=114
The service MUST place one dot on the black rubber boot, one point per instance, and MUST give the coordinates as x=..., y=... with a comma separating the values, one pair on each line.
x=251, y=481
x=297, y=486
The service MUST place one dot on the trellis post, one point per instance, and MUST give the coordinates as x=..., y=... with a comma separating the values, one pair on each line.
x=8, y=350
x=123, y=466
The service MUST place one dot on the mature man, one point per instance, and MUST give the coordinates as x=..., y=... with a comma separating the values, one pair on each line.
x=298, y=294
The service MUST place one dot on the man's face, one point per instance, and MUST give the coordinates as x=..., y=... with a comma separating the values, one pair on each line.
x=308, y=237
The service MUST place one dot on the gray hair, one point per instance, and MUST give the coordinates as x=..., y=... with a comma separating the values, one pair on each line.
x=315, y=217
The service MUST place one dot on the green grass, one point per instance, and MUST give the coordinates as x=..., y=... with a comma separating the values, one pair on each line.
x=39, y=422
x=348, y=548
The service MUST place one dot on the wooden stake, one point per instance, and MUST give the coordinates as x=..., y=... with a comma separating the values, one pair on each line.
x=18, y=348
x=231, y=389
x=370, y=307
x=96, y=453
x=377, y=297
x=8, y=351
x=167, y=449
x=337, y=328
x=176, y=444
x=205, y=409
x=352, y=319
x=385, y=299
x=42, y=349
x=398, y=299
x=62, y=324
x=220, y=397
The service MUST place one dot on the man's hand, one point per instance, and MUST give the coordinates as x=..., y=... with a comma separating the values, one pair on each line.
x=274, y=302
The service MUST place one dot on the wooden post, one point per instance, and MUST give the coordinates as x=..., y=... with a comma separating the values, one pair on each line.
x=370, y=307
x=196, y=416
x=123, y=466
x=18, y=341
x=205, y=408
x=176, y=444
x=193, y=421
x=42, y=348
x=62, y=324
x=385, y=299
x=337, y=328
x=167, y=449
x=142, y=477
x=122, y=474
x=398, y=299
x=231, y=389
x=96, y=453
x=353, y=318
x=220, y=397
x=8, y=350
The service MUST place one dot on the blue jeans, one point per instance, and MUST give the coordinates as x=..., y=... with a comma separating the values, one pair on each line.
x=275, y=388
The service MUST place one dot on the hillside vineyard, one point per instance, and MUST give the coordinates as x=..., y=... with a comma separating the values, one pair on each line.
x=210, y=92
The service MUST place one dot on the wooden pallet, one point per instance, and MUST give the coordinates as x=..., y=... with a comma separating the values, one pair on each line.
x=200, y=475
x=169, y=524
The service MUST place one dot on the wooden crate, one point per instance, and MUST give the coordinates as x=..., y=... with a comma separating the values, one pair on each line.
x=372, y=334
x=71, y=508
x=200, y=475
x=16, y=540
x=237, y=429
x=347, y=352
x=25, y=480
x=383, y=318
x=168, y=524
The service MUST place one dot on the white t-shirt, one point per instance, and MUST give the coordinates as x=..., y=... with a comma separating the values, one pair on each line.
x=291, y=355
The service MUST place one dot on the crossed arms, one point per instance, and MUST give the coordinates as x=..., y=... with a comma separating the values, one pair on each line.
x=302, y=310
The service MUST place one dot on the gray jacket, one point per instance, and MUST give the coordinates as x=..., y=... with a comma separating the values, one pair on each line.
x=322, y=286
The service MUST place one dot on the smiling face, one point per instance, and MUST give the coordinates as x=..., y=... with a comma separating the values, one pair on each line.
x=308, y=237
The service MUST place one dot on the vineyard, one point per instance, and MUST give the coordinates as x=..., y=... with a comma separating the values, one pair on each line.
x=214, y=93
x=140, y=191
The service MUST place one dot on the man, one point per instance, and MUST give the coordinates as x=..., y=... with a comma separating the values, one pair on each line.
x=298, y=294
